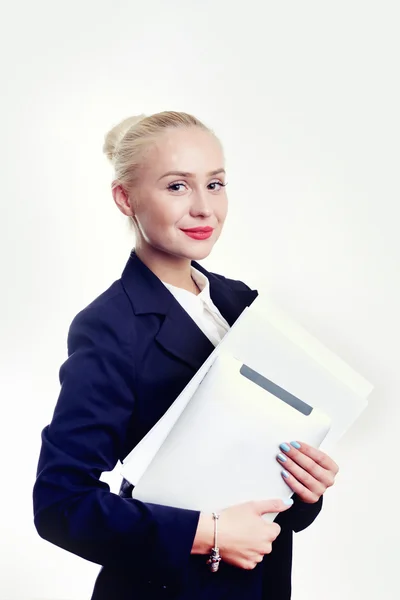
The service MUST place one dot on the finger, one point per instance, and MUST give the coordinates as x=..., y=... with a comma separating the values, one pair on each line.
x=303, y=476
x=251, y=563
x=304, y=492
x=317, y=455
x=273, y=532
x=258, y=558
x=297, y=463
x=271, y=506
x=304, y=457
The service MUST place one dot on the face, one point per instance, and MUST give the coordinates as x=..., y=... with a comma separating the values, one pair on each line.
x=180, y=187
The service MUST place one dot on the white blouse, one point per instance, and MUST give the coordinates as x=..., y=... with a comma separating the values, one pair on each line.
x=201, y=308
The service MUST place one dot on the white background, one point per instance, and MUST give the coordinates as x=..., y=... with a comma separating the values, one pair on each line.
x=305, y=97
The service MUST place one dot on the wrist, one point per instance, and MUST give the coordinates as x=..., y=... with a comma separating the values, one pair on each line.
x=204, y=538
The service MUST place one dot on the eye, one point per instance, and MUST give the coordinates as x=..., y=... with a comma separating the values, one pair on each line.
x=173, y=186
x=217, y=183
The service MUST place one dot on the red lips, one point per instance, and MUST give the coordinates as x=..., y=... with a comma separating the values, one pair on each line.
x=199, y=230
x=199, y=233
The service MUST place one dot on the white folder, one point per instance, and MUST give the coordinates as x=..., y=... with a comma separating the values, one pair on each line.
x=270, y=344
x=222, y=449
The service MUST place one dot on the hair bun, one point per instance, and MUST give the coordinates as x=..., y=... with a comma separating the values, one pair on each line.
x=116, y=134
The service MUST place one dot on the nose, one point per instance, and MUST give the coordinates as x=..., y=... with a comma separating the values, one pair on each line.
x=201, y=204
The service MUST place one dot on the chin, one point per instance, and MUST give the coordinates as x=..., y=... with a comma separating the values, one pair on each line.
x=191, y=250
x=193, y=253
x=200, y=255
x=203, y=251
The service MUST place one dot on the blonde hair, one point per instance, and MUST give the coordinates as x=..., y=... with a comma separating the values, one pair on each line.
x=125, y=143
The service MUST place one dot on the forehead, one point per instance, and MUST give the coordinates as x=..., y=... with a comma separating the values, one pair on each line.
x=189, y=149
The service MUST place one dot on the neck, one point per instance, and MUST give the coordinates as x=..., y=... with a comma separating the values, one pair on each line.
x=174, y=270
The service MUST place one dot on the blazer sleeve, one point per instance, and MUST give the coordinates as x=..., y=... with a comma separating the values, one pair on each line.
x=73, y=509
x=300, y=515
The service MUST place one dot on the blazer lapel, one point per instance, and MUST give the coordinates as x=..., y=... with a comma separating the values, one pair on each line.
x=183, y=338
x=230, y=302
x=179, y=335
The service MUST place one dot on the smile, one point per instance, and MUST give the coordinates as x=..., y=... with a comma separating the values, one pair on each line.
x=199, y=233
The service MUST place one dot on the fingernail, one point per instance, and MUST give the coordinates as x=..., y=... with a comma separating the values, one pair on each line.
x=288, y=501
x=281, y=457
x=295, y=445
x=285, y=473
x=284, y=447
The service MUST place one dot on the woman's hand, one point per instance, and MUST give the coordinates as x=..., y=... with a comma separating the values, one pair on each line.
x=244, y=537
x=307, y=471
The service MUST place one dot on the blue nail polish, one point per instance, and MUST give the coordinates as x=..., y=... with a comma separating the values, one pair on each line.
x=295, y=445
x=281, y=457
x=285, y=474
x=288, y=501
x=284, y=447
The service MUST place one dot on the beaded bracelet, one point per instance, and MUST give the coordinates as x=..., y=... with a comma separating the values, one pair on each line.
x=215, y=558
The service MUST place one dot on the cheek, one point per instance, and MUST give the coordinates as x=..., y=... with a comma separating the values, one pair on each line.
x=222, y=210
x=158, y=217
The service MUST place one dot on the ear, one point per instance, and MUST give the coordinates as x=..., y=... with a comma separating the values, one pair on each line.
x=122, y=199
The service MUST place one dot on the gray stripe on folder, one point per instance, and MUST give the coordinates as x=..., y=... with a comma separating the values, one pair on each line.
x=274, y=389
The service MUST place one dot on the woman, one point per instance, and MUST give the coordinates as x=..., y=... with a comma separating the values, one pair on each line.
x=130, y=353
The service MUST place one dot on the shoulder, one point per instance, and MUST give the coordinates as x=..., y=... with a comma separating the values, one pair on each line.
x=234, y=284
x=106, y=319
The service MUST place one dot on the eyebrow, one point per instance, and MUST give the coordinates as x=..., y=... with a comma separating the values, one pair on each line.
x=185, y=174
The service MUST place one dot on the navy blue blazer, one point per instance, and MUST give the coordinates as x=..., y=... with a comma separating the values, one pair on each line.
x=130, y=353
